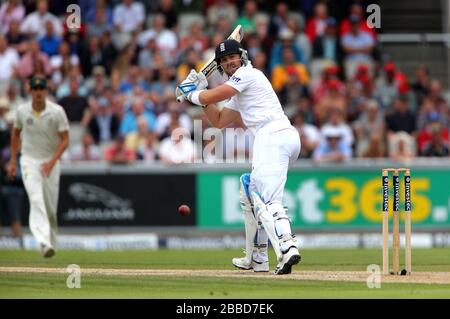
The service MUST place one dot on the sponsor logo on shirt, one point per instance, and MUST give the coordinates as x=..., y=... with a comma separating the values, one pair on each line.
x=235, y=79
x=29, y=121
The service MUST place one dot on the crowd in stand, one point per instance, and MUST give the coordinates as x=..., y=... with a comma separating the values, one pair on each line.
x=115, y=75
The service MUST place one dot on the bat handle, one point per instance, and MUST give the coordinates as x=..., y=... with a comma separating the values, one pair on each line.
x=180, y=98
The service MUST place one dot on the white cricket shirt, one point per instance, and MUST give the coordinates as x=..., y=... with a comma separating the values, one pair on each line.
x=40, y=135
x=256, y=101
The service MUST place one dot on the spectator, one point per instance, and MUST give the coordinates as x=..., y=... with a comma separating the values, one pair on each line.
x=436, y=147
x=75, y=40
x=109, y=52
x=9, y=60
x=247, y=19
x=63, y=62
x=402, y=119
x=221, y=8
x=426, y=136
x=191, y=61
x=129, y=16
x=166, y=40
x=253, y=45
x=90, y=13
x=11, y=10
x=145, y=59
x=172, y=115
x=133, y=79
x=163, y=83
x=167, y=9
x=129, y=122
x=86, y=150
x=286, y=40
x=149, y=153
x=118, y=153
x=100, y=24
x=370, y=122
x=309, y=134
x=195, y=39
x=34, y=62
x=375, y=147
x=357, y=10
x=300, y=37
x=315, y=26
x=222, y=26
x=320, y=87
x=360, y=90
x=178, y=147
x=14, y=99
x=290, y=80
x=91, y=55
x=74, y=105
x=358, y=47
x=16, y=40
x=421, y=84
x=439, y=101
x=336, y=120
x=333, y=99
x=289, y=70
x=64, y=87
x=104, y=124
x=98, y=82
x=278, y=22
x=193, y=6
x=260, y=62
x=138, y=140
x=327, y=47
x=49, y=43
x=34, y=23
x=388, y=86
x=402, y=147
x=262, y=32
x=332, y=148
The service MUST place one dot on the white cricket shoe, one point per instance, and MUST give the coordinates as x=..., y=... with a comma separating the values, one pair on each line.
x=290, y=258
x=47, y=251
x=259, y=262
x=257, y=266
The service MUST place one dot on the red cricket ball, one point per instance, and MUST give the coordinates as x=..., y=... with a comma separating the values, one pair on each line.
x=184, y=210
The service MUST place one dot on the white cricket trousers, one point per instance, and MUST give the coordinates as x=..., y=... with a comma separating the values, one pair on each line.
x=275, y=146
x=43, y=198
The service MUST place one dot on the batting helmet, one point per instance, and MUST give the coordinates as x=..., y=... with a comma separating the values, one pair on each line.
x=228, y=47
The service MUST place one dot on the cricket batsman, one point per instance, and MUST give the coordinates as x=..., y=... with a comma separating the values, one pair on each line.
x=41, y=129
x=277, y=143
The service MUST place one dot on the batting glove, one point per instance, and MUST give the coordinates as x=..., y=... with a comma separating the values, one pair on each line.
x=193, y=82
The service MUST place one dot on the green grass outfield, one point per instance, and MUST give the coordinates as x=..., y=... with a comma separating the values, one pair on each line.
x=238, y=284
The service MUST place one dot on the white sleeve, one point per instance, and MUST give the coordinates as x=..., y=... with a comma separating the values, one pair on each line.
x=63, y=122
x=17, y=120
x=231, y=104
x=241, y=79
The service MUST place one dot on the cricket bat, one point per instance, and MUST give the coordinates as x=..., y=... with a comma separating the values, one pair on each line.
x=209, y=67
